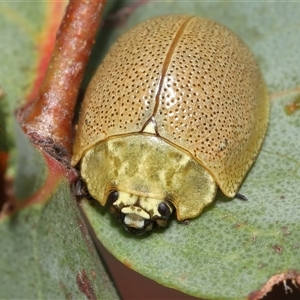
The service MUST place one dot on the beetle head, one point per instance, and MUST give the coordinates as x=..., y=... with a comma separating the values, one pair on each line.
x=139, y=214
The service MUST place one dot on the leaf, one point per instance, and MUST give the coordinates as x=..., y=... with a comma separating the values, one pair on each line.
x=233, y=247
x=27, y=165
x=51, y=256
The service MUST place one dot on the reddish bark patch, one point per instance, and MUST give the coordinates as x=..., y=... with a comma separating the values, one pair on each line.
x=294, y=276
x=127, y=264
x=278, y=249
x=292, y=107
x=85, y=286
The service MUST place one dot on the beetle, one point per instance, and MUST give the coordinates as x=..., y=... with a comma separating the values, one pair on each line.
x=177, y=108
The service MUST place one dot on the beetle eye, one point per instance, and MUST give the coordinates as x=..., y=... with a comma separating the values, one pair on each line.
x=164, y=210
x=112, y=197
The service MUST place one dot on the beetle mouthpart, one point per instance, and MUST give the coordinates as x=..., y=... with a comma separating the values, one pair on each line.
x=135, y=220
x=136, y=224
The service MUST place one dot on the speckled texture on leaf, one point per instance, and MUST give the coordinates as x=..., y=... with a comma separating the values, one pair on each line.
x=17, y=60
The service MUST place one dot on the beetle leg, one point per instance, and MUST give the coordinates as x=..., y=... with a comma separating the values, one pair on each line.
x=241, y=197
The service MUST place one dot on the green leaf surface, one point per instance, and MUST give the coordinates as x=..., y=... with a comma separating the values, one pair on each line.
x=234, y=247
x=27, y=166
x=20, y=26
x=46, y=255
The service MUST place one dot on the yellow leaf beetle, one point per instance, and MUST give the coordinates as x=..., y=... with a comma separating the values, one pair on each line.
x=177, y=108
